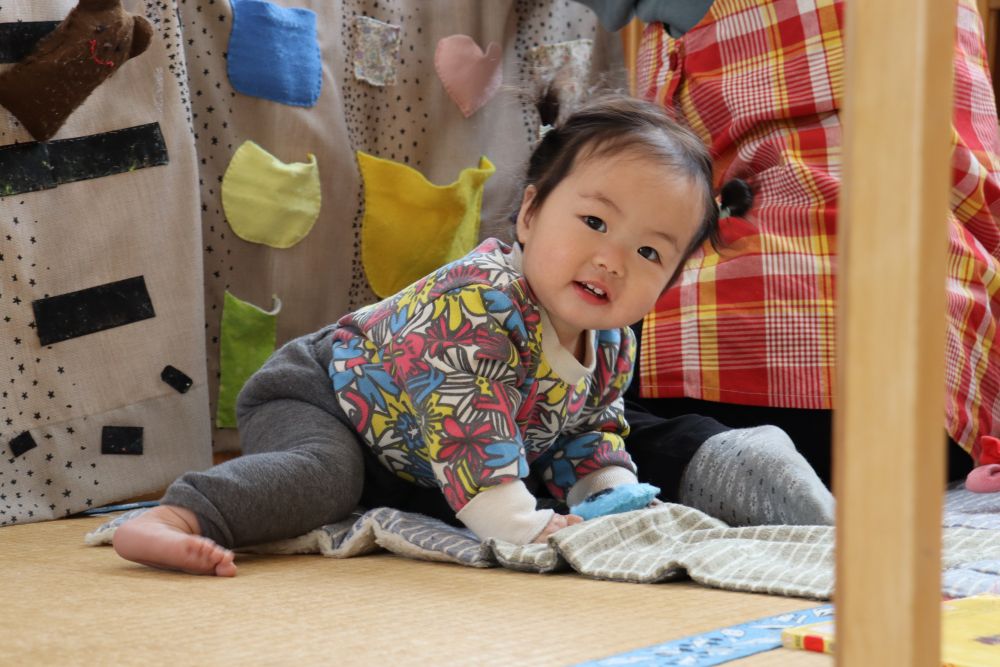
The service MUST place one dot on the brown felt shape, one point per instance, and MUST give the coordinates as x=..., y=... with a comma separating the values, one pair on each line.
x=91, y=43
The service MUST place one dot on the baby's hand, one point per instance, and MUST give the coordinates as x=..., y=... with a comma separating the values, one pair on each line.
x=558, y=522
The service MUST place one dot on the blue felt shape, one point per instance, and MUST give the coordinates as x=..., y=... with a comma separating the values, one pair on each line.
x=274, y=54
x=615, y=500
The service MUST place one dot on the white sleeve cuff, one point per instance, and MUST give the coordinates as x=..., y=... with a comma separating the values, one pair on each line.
x=605, y=478
x=505, y=512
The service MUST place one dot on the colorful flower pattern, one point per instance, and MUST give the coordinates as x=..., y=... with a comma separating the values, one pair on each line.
x=376, y=51
x=447, y=382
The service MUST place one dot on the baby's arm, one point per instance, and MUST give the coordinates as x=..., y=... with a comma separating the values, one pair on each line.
x=590, y=455
x=597, y=481
x=507, y=512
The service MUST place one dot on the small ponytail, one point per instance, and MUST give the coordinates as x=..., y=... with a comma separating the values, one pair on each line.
x=735, y=199
x=548, y=107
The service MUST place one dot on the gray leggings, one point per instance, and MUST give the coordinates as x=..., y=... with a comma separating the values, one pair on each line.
x=303, y=463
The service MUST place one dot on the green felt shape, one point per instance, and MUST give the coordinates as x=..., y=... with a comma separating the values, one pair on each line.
x=248, y=338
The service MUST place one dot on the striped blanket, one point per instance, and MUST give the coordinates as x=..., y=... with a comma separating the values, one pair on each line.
x=661, y=544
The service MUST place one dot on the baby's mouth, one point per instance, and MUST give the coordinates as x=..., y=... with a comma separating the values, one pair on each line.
x=593, y=289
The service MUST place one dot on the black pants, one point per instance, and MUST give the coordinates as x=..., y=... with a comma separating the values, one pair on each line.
x=810, y=430
x=662, y=447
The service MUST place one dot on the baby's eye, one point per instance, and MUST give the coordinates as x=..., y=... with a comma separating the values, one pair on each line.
x=649, y=253
x=595, y=223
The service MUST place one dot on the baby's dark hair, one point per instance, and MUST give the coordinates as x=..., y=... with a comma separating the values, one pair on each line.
x=610, y=125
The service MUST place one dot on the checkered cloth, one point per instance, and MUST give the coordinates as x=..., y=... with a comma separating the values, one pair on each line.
x=762, y=83
x=653, y=545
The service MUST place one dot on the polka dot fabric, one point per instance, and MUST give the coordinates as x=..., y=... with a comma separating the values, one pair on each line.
x=412, y=121
x=166, y=223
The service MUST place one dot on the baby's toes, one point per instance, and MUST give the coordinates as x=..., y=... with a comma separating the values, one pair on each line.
x=226, y=567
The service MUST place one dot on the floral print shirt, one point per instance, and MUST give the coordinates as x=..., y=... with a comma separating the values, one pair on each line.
x=453, y=383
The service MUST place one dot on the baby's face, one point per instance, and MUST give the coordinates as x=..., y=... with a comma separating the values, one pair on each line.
x=603, y=245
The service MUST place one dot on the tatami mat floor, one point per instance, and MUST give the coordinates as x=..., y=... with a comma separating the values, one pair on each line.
x=64, y=603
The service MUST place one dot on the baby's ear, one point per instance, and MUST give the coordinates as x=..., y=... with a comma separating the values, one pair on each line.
x=524, y=213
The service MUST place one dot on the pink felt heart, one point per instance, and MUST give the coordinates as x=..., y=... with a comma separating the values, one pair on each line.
x=470, y=76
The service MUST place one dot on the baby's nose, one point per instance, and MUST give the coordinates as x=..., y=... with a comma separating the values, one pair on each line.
x=611, y=259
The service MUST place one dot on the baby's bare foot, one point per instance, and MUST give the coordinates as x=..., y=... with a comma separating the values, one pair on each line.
x=168, y=537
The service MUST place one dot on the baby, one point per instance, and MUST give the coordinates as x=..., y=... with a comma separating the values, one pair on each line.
x=460, y=394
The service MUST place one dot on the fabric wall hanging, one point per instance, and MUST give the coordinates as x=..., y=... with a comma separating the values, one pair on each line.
x=376, y=51
x=117, y=219
x=101, y=288
x=559, y=74
x=380, y=95
x=470, y=75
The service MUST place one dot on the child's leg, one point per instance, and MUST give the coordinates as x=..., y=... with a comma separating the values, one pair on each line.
x=167, y=536
x=751, y=476
x=312, y=476
x=661, y=448
x=755, y=476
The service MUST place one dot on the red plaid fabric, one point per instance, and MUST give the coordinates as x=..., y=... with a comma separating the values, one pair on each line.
x=762, y=83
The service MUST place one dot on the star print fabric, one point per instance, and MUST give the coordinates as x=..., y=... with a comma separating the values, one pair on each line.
x=101, y=286
x=450, y=384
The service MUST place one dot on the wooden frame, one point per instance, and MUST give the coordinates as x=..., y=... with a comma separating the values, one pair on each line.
x=889, y=458
x=989, y=11
x=631, y=36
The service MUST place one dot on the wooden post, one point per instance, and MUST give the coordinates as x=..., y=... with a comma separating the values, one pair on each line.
x=889, y=450
x=989, y=12
x=631, y=36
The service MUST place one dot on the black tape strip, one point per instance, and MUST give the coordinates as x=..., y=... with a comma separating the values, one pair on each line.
x=25, y=168
x=33, y=165
x=22, y=444
x=108, y=153
x=176, y=379
x=18, y=39
x=87, y=311
x=121, y=440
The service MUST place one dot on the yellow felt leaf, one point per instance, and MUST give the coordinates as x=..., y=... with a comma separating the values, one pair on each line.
x=411, y=226
x=268, y=201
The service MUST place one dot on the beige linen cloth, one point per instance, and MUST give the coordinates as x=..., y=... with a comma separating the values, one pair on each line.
x=89, y=233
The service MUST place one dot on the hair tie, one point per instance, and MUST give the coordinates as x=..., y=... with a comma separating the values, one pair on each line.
x=735, y=199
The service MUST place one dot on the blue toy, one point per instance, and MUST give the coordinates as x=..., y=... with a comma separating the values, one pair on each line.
x=624, y=498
